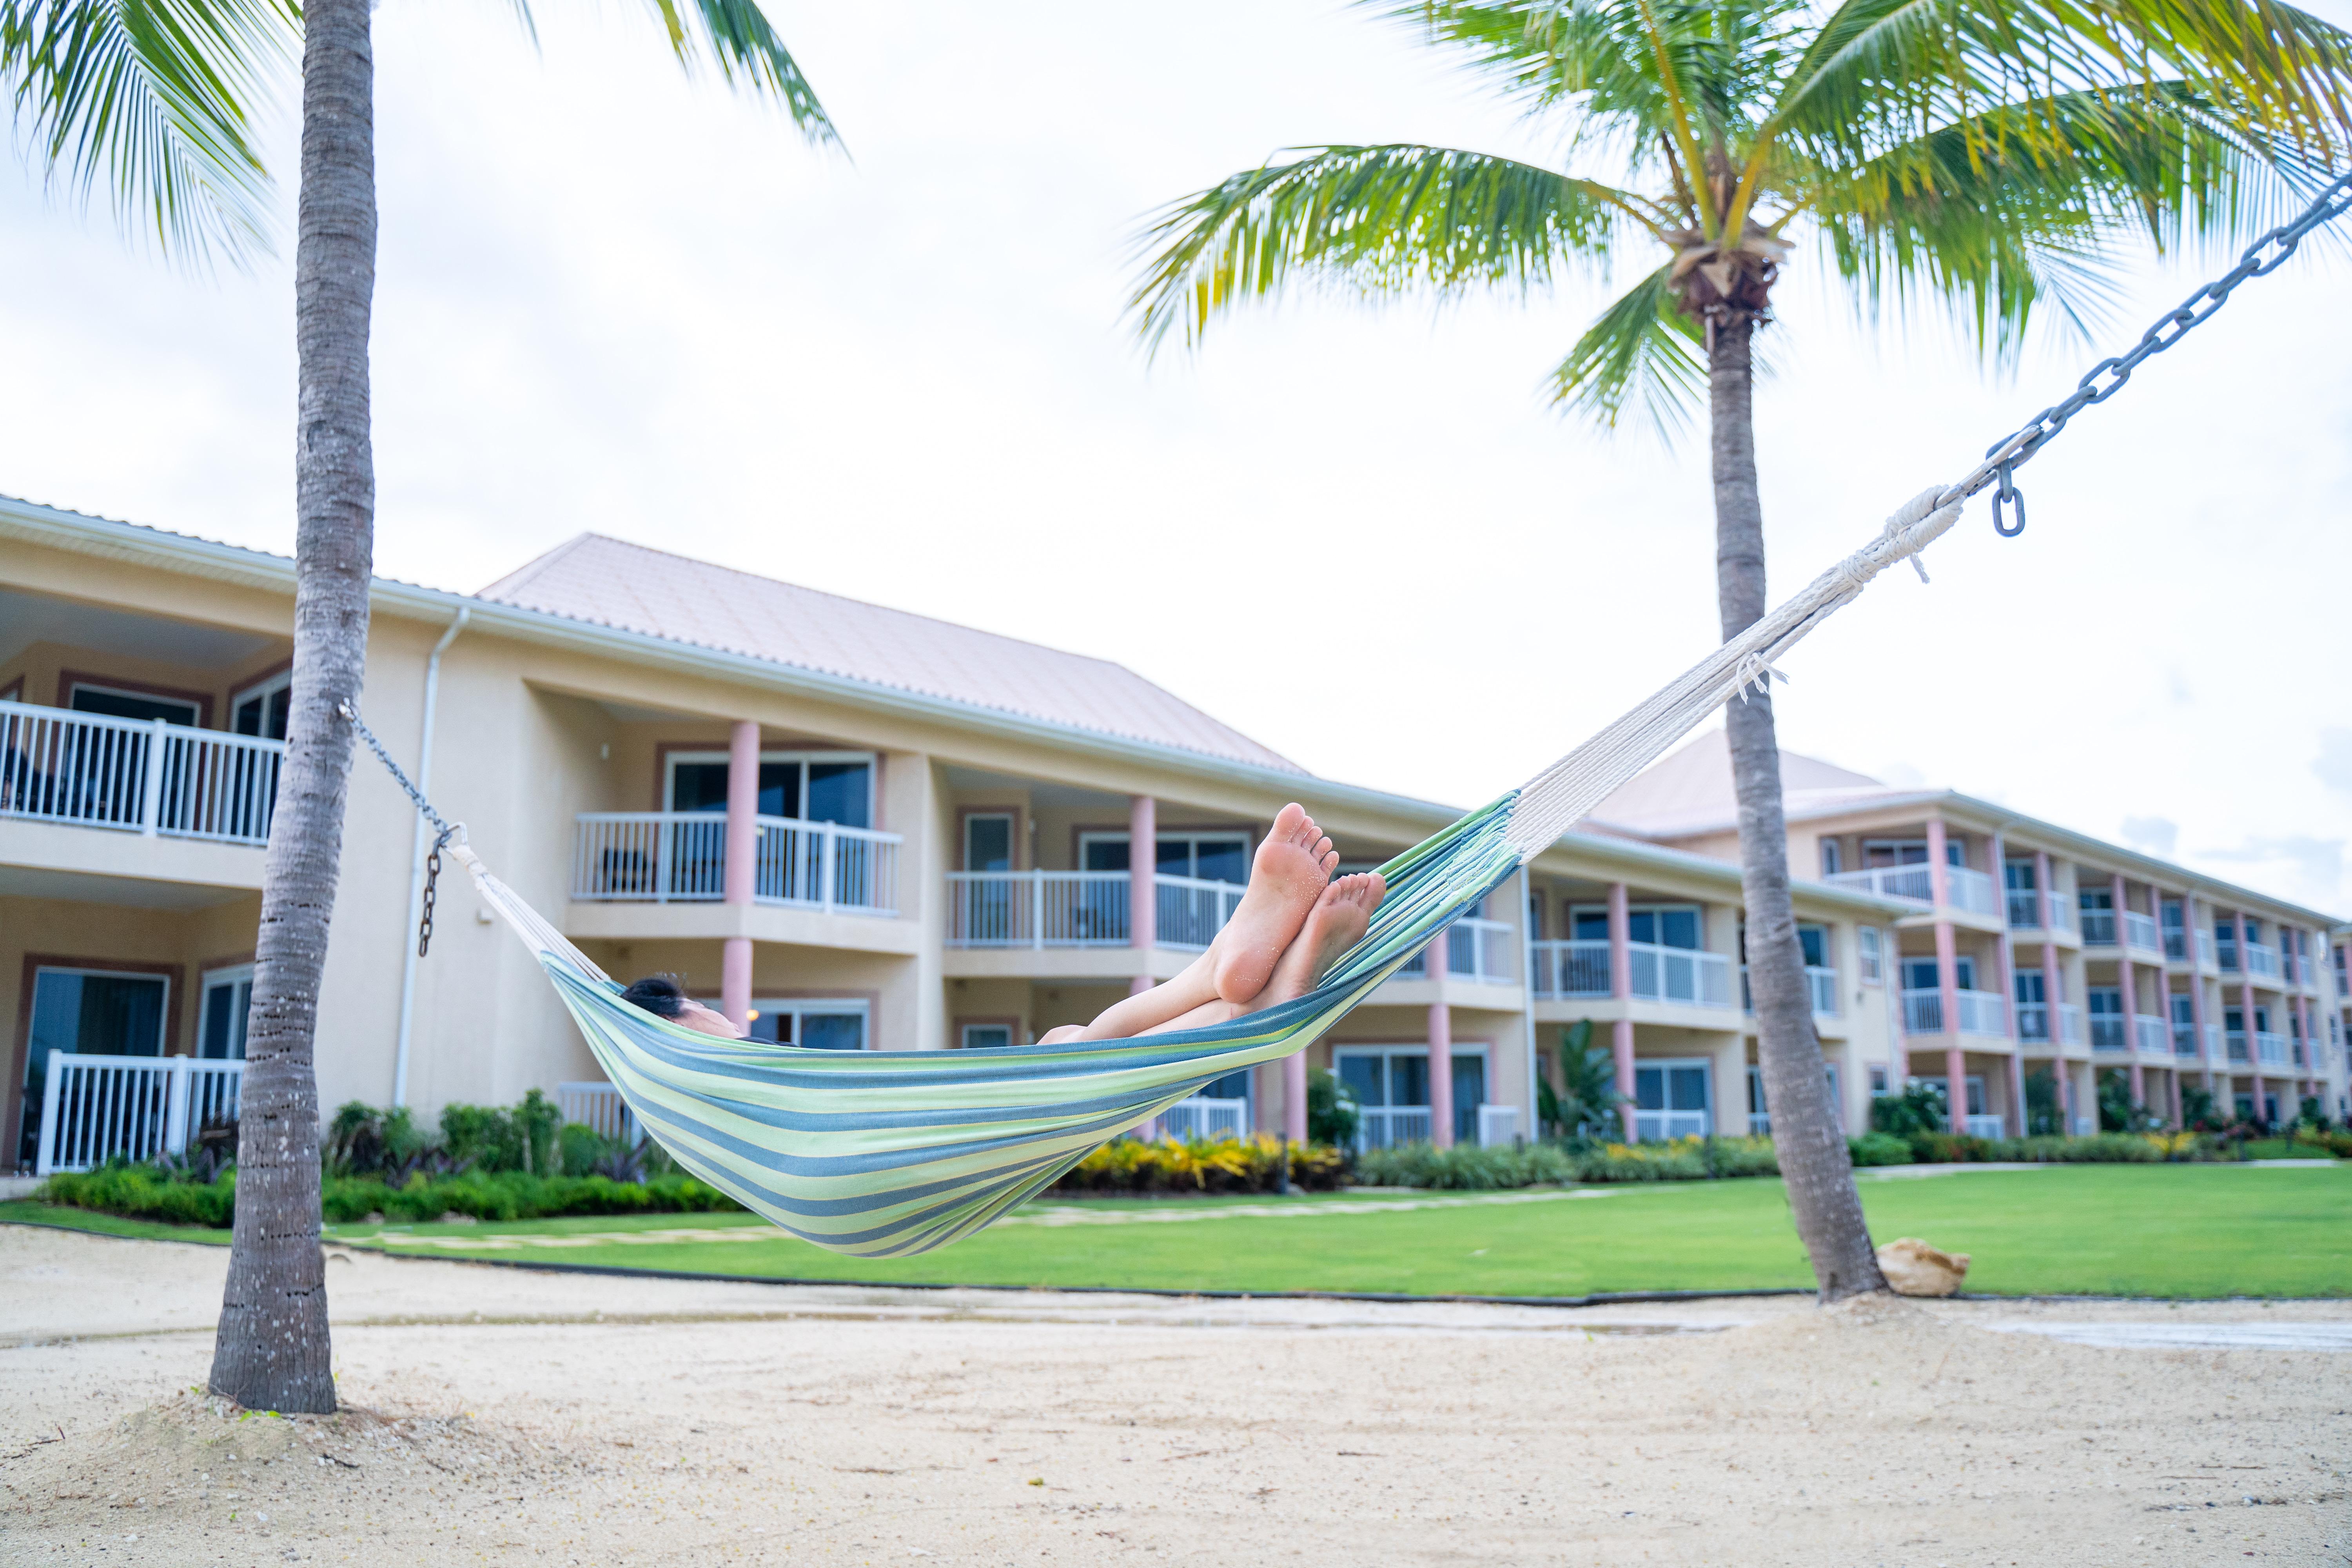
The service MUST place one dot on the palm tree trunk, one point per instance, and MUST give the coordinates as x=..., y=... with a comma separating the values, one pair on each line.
x=1805, y=1135
x=272, y=1352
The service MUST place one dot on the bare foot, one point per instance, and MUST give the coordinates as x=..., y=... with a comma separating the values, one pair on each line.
x=1336, y=923
x=1291, y=869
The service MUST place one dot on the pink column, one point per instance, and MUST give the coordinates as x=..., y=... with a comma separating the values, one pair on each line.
x=1294, y=1095
x=2191, y=948
x=2310, y=1045
x=2005, y=961
x=1620, y=986
x=2246, y=1011
x=740, y=878
x=1948, y=982
x=2127, y=985
x=2054, y=992
x=1441, y=1075
x=1142, y=893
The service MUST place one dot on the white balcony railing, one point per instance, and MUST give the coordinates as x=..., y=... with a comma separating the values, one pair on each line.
x=1498, y=1124
x=2098, y=928
x=2184, y=1041
x=2037, y=909
x=1680, y=975
x=2108, y=1034
x=599, y=1105
x=1819, y=981
x=2140, y=932
x=1576, y=968
x=2033, y=1023
x=1390, y=1126
x=1202, y=1117
x=1658, y=1126
x=1966, y=890
x=1191, y=912
x=1481, y=950
x=57, y=765
x=1037, y=909
x=1987, y=1126
x=2214, y=1050
x=95, y=1109
x=2153, y=1034
x=1982, y=1013
x=680, y=856
x=2272, y=1048
x=2262, y=960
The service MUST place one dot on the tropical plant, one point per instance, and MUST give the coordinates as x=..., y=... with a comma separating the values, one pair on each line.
x=1919, y=1108
x=272, y=1349
x=1991, y=156
x=1585, y=1104
x=2118, y=1113
x=1332, y=1113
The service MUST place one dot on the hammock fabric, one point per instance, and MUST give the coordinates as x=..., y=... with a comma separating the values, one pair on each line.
x=889, y=1153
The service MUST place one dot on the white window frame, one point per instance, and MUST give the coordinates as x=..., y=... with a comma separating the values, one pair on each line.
x=798, y=1006
x=1833, y=857
x=1662, y=1064
x=1007, y=814
x=1868, y=951
x=195, y=710
x=1194, y=837
x=262, y=690
x=227, y=975
x=871, y=759
x=162, y=1014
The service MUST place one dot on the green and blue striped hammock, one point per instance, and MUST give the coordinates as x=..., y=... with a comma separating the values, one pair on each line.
x=887, y=1153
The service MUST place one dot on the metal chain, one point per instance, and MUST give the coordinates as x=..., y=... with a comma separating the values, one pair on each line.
x=447, y=829
x=2108, y=377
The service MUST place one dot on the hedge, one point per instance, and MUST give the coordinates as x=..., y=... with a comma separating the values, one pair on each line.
x=137, y=1192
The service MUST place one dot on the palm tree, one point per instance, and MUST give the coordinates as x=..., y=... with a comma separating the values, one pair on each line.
x=272, y=1350
x=1989, y=154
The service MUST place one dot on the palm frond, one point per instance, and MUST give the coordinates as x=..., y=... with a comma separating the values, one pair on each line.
x=1642, y=356
x=1372, y=221
x=159, y=94
x=747, y=51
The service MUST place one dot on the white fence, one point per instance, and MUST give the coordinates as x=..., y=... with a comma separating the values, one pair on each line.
x=96, y=1108
x=1982, y=1013
x=2262, y=960
x=1577, y=968
x=598, y=1105
x=2037, y=909
x=1388, y=1127
x=1966, y=890
x=1037, y=909
x=680, y=856
x=1987, y=1126
x=2140, y=932
x=1498, y=1124
x=1201, y=1117
x=1658, y=1126
x=57, y=765
x=2153, y=1034
x=1189, y=912
x=2033, y=1023
x=1481, y=950
x=2272, y=1047
x=1820, y=983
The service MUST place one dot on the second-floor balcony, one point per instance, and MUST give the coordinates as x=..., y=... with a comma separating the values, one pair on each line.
x=2260, y=960
x=91, y=771
x=1580, y=968
x=1982, y=1013
x=1480, y=950
x=2270, y=1050
x=678, y=856
x=2033, y=1023
x=2032, y=909
x=1820, y=982
x=1963, y=889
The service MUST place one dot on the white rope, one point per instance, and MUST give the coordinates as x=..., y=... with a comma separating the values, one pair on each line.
x=1558, y=797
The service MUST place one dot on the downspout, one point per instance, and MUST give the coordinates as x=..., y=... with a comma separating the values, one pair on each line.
x=416, y=858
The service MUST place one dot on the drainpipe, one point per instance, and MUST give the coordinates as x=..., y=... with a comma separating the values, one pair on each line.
x=416, y=858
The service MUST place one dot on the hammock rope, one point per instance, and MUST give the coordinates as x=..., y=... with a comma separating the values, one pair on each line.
x=889, y=1153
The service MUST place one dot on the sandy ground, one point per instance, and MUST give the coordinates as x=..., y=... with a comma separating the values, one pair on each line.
x=507, y=1417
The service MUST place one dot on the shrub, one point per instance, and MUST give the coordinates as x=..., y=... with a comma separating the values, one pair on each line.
x=2335, y=1144
x=1331, y=1113
x=144, y=1192
x=1465, y=1168
x=1919, y=1108
x=1879, y=1149
x=522, y=1138
x=139, y=1192
x=1203, y=1165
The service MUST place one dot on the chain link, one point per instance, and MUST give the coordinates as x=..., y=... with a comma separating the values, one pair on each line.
x=447, y=830
x=2108, y=377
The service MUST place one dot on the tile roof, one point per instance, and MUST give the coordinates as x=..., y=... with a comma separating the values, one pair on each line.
x=612, y=582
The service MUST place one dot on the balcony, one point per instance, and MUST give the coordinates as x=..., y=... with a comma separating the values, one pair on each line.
x=2033, y=1023
x=675, y=857
x=2262, y=961
x=1982, y=1013
x=1478, y=950
x=1823, y=982
x=1687, y=976
x=2184, y=1041
x=2140, y=933
x=2271, y=1049
x=2153, y=1035
x=1204, y=1118
x=2029, y=909
x=89, y=770
x=1968, y=891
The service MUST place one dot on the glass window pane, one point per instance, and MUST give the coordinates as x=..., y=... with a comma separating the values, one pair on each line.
x=698, y=787
x=1965, y=972
x=841, y=792
x=1105, y=855
x=1678, y=928
x=281, y=703
x=1232, y=1086
x=1649, y=1088
x=780, y=790
x=833, y=1031
x=1409, y=1080
x=1364, y=1078
x=2029, y=985
x=1816, y=944
x=226, y=1006
x=1644, y=925
x=248, y=715
x=1591, y=925
x=1175, y=858
x=1221, y=860
x=987, y=844
x=123, y=705
x=1686, y=1089
x=986, y=1037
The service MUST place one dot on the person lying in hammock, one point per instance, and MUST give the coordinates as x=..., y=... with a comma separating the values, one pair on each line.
x=1292, y=924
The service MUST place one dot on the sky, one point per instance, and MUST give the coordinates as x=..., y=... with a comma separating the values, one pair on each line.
x=615, y=298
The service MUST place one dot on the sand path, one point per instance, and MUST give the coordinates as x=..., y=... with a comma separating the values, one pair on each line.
x=513, y=1416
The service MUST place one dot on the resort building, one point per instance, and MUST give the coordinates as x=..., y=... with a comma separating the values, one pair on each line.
x=859, y=828
x=2034, y=957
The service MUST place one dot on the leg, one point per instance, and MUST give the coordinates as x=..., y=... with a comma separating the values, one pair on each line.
x=1337, y=923
x=1145, y=1009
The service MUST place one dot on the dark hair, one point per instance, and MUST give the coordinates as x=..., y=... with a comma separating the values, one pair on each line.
x=659, y=994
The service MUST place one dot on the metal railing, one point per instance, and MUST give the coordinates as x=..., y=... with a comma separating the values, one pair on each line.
x=1982, y=1013
x=1390, y=1126
x=2033, y=1023
x=2032, y=909
x=2098, y=928
x=2262, y=960
x=1579, y=967
x=1660, y=1126
x=1480, y=950
x=58, y=766
x=2184, y=1041
x=2153, y=1034
x=1201, y=1117
x=95, y=1109
x=597, y=1105
x=680, y=856
x=1498, y=1124
x=1681, y=974
x=2140, y=931
x=1190, y=911
x=2272, y=1048
x=1819, y=981
x=1038, y=908
x=2108, y=1034
x=2176, y=945
x=1970, y=890
x=1987, y=1126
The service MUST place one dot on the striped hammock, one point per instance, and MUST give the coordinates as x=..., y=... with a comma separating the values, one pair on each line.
x=889, y=1153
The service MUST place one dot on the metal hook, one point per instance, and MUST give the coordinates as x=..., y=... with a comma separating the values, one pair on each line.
x=2008, y=491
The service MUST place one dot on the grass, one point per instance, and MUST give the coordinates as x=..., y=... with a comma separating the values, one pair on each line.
x=2149, y=1230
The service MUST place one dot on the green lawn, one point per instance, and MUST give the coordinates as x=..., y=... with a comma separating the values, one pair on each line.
x=2137, y=1230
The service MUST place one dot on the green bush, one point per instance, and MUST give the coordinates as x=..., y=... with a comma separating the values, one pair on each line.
x=1464, y=1168
x=1203, y=1165
x=521, y=1138
x=144, y=1191
x=137, y=1192
x=1331, y=1112
x=1879, y=1149
x=1919, y=1108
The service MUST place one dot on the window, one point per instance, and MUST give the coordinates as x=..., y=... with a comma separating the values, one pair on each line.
x=1216, y=857
x=87, y=1012
x=1867, y=940
x=1878, y=852
x=988, y=841
x=1877, y=1079
x=1671, y=1099
x=1919, y=973
x=1661, y=925
x=801, y=786
x=2105, y=1001
x=827, y=1024
x=1833, y=858
x=2029, y=986
x=1815, y=940
x=985, y=1036
x=260, y=709
x=228, y=994
x=116, y=703
x=2017, y=876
